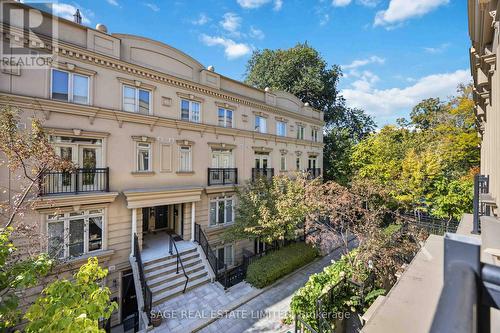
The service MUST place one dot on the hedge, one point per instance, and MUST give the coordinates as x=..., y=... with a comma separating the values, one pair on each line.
x=269, y=268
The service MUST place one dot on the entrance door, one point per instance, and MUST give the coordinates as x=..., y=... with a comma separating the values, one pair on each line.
x=161, y=217
x=145, y=219
x=129, y=302
x=65, y=181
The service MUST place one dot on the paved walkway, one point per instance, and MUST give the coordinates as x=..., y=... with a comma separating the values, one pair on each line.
x=199, y=305
x=265, y=312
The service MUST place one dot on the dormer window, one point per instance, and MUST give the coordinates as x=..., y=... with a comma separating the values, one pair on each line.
x=136, y=100
x=70, y=87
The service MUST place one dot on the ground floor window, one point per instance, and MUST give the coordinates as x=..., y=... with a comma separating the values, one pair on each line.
x=225, y=256
x=76, y=233
x=221, y=210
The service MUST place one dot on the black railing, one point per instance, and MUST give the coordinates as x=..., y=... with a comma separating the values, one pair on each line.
x=146, y=291
x=201, y=239
x=302, y=327
x=481, y=186
x=470, y=288
x=314, y=172
x=222, y=176
x=173, y=246
x=266, y=173
x=74, y=181
x=432, y=224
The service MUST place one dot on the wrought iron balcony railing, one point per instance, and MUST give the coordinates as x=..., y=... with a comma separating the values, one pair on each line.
x=75, y=181
x=222, y=176
x=266, y=173
x=481, y=187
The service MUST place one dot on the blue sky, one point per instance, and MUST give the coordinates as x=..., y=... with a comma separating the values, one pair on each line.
x=393, y=52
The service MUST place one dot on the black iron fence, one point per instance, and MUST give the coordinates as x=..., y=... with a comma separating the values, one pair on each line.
x=471, y=288
x=146, y=291
x=75, y=181
x=201, y=239
x=266, y=173
x=432, y=224
x=172, y=248
x=313, y=172
x=222, y=176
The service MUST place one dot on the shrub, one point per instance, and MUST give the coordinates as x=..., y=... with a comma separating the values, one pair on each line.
x=264, y=271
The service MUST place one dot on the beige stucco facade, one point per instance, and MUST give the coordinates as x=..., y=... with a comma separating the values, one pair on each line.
x=174, y=177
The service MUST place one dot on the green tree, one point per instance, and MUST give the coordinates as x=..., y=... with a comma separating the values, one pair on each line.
x=302, y=71
x=73, y=306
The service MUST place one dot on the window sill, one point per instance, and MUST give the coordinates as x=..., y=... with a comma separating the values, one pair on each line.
x=185, y=173
x=100, y=254
x=220, y=226
x=143, y=173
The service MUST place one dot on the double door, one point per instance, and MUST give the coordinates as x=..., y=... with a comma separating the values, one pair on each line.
x=87, y=158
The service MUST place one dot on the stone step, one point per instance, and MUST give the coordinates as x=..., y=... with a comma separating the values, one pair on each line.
x=162, y=297
x=190, y=271
x=169, y=268
x=169, y=262
x=152, y=262
x=180, y=280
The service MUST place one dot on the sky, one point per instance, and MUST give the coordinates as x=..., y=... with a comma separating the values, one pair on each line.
x=393, y=53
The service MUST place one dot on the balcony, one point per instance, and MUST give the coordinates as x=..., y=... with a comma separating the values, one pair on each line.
x=483, y=202
x=313, y=173
x=75, y=181
x=266, y=173
x=222, y=176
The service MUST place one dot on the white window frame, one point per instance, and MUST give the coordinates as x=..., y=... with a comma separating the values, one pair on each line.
x=217, y=200
x=258, y=127
x=190, y=110
x=300, y=132
x=189, y=149
x=66, y=218
x=283, y=163
x=278, y=124
x=70, y=85
x=225, y=117
x=150, y=155
x=314, y=134
x=136, y=98
x=225, y=247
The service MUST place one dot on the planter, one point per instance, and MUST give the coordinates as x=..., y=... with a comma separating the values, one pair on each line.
x=156, y=319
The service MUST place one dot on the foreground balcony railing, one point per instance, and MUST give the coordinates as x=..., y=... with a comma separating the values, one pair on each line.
x=222, y=176
x=471, y=288
x=75, y=181
x=266, y=173
x=314, y=172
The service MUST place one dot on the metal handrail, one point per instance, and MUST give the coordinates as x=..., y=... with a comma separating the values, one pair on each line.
x=201, y=238
x=179, y=260
x=146, y=291
x=222, y=176
x=79, y=180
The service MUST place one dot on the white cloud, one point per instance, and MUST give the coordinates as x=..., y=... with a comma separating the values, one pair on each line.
x=256, y=33
x=402, y=10
x=392, y=102
x=230, y=22
x=340, y=3
x=232, y=49
x=152, y=6
x=201, y=20
x=113, y=3
x=67, y=11
x=363, y=62
x=252, y=4
x=438, y=49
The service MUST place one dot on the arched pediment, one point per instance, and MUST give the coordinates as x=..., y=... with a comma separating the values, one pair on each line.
x=288, y=101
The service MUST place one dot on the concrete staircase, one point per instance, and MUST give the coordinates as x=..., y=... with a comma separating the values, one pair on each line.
x=165, y=283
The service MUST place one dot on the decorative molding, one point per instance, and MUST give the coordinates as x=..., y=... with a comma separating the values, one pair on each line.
x=166, y=101
x=298, y=152
x=260, y=114
x=184, y=142
x=218, y=145
x=136, y=83
x=283, y=151
x=261, y=149
x=75, y=132
x=226, y=106
x=278, y=118
x=158, y=197
x=70, y=201
x=66, y=66
x=190, y=97
x=143, y=138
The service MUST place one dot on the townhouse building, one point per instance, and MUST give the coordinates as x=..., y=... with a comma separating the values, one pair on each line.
x=161, y=144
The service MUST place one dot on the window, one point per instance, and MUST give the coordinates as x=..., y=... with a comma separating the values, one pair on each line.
x=300, y=132
x=297, y=164
x=221, y=211
x=225, y=117
x=314, y=135
x=185, y=163
x=283, y=163
x=70, y=87
x=136, y=100
x=190, y=111
x=76, y=233
x=281, y=128
x=260, y=124
x=225, y=256
x=143, y=156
